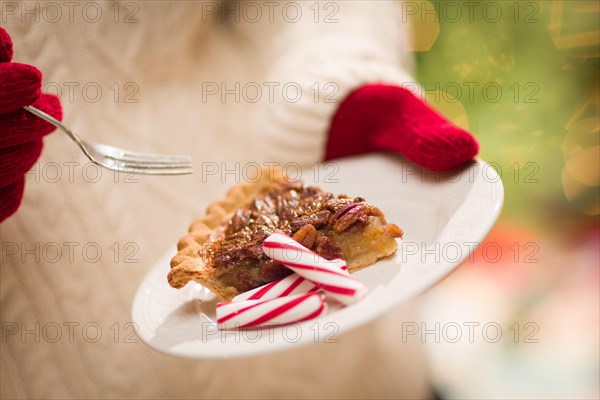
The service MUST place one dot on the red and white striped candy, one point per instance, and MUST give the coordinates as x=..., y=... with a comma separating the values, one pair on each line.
x=325, y=274
x=290, y=285
x=279, y=311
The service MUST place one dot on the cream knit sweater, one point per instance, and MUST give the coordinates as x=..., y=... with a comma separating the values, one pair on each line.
x=178, y=77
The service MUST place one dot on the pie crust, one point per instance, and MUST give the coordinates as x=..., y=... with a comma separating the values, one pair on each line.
x=376, y=240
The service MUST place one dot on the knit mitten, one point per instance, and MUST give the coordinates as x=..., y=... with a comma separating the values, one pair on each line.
x=391, y=118
x=21, y=133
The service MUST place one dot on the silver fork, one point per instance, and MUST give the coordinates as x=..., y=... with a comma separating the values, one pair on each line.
x=123, y=160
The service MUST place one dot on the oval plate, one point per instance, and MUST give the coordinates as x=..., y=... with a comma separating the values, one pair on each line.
x=444, y=217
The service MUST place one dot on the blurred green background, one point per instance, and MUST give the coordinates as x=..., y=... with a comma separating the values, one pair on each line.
x=526, y=74
x=523, y=77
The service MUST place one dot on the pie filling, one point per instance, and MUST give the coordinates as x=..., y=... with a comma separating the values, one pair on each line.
x=332, y=226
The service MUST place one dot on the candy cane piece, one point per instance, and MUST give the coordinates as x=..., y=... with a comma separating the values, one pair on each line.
x=325, y=274
x=279, y=311
x=290, y=285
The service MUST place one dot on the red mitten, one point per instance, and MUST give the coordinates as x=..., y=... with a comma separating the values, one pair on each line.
x=20, y=132
x=391, y=118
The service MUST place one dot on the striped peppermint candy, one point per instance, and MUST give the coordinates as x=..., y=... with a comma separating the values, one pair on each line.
x=290, y=285
x=279, y=311
x=325, y=274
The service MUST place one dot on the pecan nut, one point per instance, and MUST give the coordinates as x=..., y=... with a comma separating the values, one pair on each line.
x=306, y=236
x=353, y=213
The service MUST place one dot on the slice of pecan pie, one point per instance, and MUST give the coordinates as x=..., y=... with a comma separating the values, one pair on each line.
x=223, y=249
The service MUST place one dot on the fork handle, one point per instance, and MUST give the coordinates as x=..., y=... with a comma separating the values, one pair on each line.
x=50, y=119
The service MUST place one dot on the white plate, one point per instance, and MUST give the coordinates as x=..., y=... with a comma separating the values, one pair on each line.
x=444, y=217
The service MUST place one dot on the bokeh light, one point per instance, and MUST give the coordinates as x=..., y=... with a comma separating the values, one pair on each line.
x=525, y=77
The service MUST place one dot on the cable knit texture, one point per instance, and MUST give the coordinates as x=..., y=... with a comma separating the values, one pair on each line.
x=21, y=132
x=383, y=117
